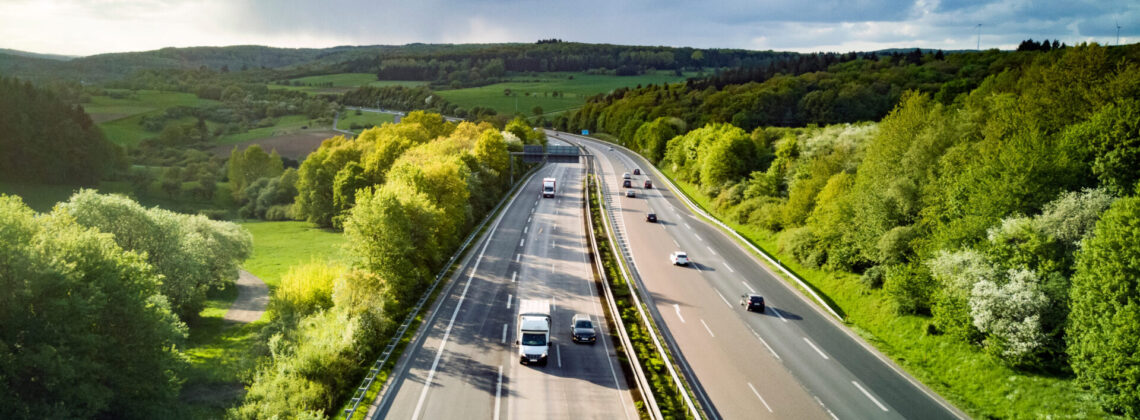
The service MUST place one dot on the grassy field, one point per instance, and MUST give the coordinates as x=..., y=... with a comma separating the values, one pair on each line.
x=342, y=82
x=977, y=383
x=285, y=125
x=529, y=91
x=119, y=118
x=280, y=245
x=348, y=118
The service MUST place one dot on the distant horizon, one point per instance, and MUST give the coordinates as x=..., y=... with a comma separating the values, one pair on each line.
x=758, y=25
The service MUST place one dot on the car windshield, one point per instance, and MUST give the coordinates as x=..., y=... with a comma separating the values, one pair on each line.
x=757, y=299
x=680, y=255
x=531, y=339
x=583, y=323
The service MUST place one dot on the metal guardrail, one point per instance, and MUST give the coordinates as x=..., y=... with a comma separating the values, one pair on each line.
x=362, y=390
x=623, y=335
x=635, y=294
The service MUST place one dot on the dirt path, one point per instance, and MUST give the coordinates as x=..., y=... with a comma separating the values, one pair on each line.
x=253, y=297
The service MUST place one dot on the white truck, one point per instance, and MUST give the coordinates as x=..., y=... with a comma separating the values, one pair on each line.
x=548, y=187
x=533, y=331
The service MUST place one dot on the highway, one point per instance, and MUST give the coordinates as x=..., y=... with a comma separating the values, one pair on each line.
x=792, y=361
x=462, y=363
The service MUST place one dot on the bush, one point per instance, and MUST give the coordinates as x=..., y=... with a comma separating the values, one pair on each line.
x=873, y=277
x=802, y=245
x=910, y=287
x=306, y=288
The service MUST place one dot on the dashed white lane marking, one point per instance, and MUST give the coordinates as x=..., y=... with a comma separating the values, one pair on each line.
x=729, y=267
x=761, y=398
x=514, y=275
x=711, y=250
x=872, y=397
x=504, y=340
x=528, y=219
x=777, y=311
x=676, y=244
x=828, y=410
x=509, y=299
x=499, y=388
x=525, y=229
x=522, y=241
x=750, y=289
x=678, y=309
x=518, y=257
x=707, y=328
x=817, y=350
x=688, y=227
x=698, y=237
x=758, y=337
x=558, y=351
x=722, y=298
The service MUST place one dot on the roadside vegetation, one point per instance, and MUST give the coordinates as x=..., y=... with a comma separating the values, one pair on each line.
x=669, y=399
x=959, y=234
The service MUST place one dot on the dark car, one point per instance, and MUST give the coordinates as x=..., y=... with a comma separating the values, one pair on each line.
x=582, y=329
x=753, y=303
x=651, y=218
x=648, y=184
x=636, y=171
x=627, y=184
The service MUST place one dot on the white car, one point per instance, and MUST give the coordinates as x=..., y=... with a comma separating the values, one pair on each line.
x=679, y=258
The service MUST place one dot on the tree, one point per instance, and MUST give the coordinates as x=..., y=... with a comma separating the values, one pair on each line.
x=84, y=332
x=250, y=165
x=1105, y=317
x=537, y=110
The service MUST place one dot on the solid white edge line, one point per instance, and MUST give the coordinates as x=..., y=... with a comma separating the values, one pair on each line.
x=817, y=350
x=722, y=298
x=678, y=309
x=451, y=323
x=872, y=397
x=777, y=311
x=761, y=398
x=707, y=328
x=750, y=289
x=499, y=388
x=765, y=343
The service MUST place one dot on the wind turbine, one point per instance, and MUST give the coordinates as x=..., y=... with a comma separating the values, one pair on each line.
x=979, y=47
x=1117, y=32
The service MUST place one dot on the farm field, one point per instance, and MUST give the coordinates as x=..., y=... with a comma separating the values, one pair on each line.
x=363, y=121
x=341, y=82
x=529, y=91
x=119, y=117
x=280, y=245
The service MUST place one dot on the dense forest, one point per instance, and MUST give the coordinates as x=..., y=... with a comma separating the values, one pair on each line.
x=47, y=140
x=999, y=202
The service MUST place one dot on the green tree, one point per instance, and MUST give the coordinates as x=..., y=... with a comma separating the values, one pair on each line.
x=1105, y=317
x=250, y=165
x=84, y=332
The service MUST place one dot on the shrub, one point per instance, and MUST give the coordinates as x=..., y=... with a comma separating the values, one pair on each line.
x=873, y=277
x=910, y=287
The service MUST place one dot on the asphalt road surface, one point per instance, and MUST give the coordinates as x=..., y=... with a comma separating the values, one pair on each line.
x=463, y=362
x=791, y=361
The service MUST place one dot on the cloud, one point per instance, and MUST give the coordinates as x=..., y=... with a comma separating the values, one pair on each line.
x=88, y=27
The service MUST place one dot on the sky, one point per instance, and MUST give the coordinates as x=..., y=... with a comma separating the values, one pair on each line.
x=88, y=27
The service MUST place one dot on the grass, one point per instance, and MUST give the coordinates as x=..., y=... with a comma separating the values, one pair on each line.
x=120, y=117
x=341, y=82
x=284, y=125
x=365, y=119
x=280, y=245
x=975, y=382
x=537, y=90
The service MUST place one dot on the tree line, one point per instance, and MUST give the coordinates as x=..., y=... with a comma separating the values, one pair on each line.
x=46, y=140
x=406, y=195
x=1006, y=214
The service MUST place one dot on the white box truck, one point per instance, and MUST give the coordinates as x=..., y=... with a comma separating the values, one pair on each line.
x=548, y=187
x=533, y=337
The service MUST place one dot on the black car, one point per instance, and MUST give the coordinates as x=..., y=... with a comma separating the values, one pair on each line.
x=752, y=302
x=627, y=184
x=651, y=217
x=582, y=329
x=636, y=171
